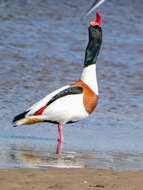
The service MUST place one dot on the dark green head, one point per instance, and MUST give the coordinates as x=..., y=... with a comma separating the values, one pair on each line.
x=95, y=41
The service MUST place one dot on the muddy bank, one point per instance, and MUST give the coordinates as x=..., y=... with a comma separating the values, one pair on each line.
x=20, y=179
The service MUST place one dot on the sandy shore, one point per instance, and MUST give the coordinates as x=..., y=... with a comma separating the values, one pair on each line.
x=67, y=179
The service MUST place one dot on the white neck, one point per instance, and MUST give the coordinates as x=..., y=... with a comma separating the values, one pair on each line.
x=88, y=76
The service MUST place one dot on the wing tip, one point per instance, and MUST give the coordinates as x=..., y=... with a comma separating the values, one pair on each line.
x=15, y=126
x=20, y=116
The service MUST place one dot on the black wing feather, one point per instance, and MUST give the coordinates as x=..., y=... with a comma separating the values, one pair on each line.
x=69, y=91
x=20, y=116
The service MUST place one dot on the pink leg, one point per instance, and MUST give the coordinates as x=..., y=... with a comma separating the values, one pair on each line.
x=60, y=129
x=59, y=148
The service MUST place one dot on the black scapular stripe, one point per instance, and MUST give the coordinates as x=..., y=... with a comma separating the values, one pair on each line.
x=20, y=116
x=69, y=91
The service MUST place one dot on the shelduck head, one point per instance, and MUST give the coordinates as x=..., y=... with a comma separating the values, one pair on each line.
x=97, y=22
x=95, y=41
x=95, y=28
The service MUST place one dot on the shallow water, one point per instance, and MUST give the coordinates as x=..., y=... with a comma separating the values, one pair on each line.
x=42, y=46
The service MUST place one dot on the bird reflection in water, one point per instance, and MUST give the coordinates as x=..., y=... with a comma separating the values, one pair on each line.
x=25, y=157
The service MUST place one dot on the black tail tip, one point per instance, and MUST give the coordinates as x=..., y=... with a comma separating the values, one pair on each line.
x=20, y=116
x=15, y=126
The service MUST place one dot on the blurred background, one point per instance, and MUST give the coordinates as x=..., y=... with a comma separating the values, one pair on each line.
x=42, y=47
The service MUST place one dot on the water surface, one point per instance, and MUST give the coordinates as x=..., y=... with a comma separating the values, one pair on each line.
x=42, y=46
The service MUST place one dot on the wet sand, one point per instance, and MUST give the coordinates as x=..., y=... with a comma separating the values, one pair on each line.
x=66, y=179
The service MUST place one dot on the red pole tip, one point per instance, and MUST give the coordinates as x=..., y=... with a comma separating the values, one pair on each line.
x=97, y=22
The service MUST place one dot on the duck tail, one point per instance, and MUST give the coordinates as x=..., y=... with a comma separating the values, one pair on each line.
x=19, y=119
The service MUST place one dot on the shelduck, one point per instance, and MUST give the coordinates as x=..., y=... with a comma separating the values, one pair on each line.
x=73, y=102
